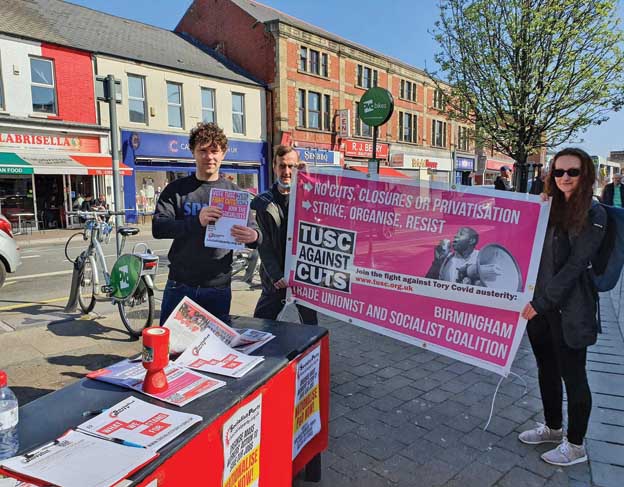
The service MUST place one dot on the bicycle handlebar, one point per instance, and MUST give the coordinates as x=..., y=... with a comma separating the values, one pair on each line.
x=95, y=213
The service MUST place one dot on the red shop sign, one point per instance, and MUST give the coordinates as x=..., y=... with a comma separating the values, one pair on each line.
x=356, y=148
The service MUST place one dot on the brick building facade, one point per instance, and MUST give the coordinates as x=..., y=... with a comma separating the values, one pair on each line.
x=316, y=79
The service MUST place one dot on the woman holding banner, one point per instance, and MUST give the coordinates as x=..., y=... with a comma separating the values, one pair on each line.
x=562, y=313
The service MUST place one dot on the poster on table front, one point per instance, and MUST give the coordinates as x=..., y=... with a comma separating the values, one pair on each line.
x=241, y=446
x=445, y=268
x=307, y=413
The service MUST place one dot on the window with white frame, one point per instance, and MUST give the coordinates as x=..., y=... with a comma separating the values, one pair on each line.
x=313, y=110
x=408, y=125
x=408, y=90
x=301, y=113
x=208, y=105
x=2, y=106
x=43, y=88
x=438, y=99
x=174, y=105
x=136, y=99
x=361, y=129
x=366, y=77
x=313, y=61
x=238, y=113
x=438, y=133
x=463, y=138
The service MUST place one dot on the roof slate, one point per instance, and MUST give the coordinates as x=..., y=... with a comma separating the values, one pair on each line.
x=70, y=25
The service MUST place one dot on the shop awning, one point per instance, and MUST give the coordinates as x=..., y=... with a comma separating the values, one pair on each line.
x=11, y=163
x=53, y=163
x=101, y=165
x=383, y=171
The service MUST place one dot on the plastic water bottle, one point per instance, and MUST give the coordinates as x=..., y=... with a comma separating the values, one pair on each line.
x=9, y=441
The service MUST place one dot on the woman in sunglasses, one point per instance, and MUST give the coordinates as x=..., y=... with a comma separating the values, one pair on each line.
x=562, y=315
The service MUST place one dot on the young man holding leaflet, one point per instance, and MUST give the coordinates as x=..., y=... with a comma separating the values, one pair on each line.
x=272, y=217
x=182, y=213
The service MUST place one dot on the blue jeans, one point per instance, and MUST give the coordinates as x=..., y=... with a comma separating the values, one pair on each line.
x=215, y=300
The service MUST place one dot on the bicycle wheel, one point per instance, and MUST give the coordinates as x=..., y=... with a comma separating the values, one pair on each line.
x=86, y=289
x=137, y=312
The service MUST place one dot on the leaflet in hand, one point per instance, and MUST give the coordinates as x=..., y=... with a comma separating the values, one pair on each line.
x=141, y=423
x=184, y=385
x=209, y=354
x=235, y=208
x=77, y=460
x=189, y=319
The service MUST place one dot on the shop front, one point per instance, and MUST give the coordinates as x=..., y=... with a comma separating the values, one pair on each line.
x=423, y=165
x=464, y=167
x=44, y=174
x=319, y=157
x=358, y=152
x=159, y=158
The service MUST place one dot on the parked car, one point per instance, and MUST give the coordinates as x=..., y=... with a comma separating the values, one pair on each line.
x=10, y=258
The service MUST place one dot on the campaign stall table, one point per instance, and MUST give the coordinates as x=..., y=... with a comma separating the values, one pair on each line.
x=197, y=456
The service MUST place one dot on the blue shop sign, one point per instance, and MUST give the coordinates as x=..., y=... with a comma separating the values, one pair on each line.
x=464, y=164
x=319, y=156
x=146, y=145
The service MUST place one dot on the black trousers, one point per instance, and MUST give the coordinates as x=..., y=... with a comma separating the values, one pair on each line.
x=271, y=303
x=556, y=361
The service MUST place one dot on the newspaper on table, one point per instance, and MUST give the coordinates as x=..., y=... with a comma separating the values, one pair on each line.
x=7, y=482
x=209, y=354
x=235, y=207
x=183, y=385
x=77, y=459
x=189, y=319
x=141, y=423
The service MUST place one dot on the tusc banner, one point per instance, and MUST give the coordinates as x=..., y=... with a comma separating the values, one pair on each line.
x=445, y=269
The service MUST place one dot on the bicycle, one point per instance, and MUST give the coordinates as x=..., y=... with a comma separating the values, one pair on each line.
x=245, y=260
x=129, y=284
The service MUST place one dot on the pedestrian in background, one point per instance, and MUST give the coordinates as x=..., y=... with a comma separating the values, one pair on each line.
x=272, y=217
x=503, y=180
x=613, y=193
x=562, y=315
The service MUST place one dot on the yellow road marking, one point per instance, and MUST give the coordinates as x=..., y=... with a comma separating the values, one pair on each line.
x=35, y=303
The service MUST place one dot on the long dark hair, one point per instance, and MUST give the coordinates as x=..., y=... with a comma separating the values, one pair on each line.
x=571, y=215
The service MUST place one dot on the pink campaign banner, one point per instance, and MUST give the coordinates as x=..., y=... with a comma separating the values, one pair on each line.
x=448, y=269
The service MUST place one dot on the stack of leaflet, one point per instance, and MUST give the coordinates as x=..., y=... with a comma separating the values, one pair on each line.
x=188, y=320
x=209, y=354
x=183, y=385
x=105, y=449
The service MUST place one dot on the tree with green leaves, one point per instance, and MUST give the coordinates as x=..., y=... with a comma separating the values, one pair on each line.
x=530, y=74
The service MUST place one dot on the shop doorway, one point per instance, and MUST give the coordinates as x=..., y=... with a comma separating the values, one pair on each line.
x=50, y=201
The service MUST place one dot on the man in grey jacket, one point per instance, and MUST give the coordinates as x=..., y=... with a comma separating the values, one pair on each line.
x=272, y=218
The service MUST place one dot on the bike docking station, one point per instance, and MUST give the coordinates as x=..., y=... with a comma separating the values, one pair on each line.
x=129, y=284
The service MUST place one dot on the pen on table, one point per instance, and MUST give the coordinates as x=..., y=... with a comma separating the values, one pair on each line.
x=119, y=441
x=94, y=412
x=38, y=449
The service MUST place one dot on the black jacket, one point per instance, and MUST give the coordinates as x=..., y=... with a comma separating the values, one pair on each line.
x=564, y=280
x=272, y=223
x=607, y=194
x=177, y=217
x=502, y=184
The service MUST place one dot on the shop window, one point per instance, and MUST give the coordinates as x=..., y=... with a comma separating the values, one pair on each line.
x=361, y=129
x=42, y=85
x=366, y=77
x=408, y=124
x=438, y=99
x=438, y=133
x=174, y=105
x=136, y=99
x=463, y=138
x=238, y=113
x=208, y=105
x=408, y=90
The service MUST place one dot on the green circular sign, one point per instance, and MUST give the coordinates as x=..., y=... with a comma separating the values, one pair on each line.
x=125, y=275
x=376, y=106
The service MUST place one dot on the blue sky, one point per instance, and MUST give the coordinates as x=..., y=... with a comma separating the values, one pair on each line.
x=399, y=28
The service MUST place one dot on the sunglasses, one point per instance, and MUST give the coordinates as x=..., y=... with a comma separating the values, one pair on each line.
x=573, y=172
